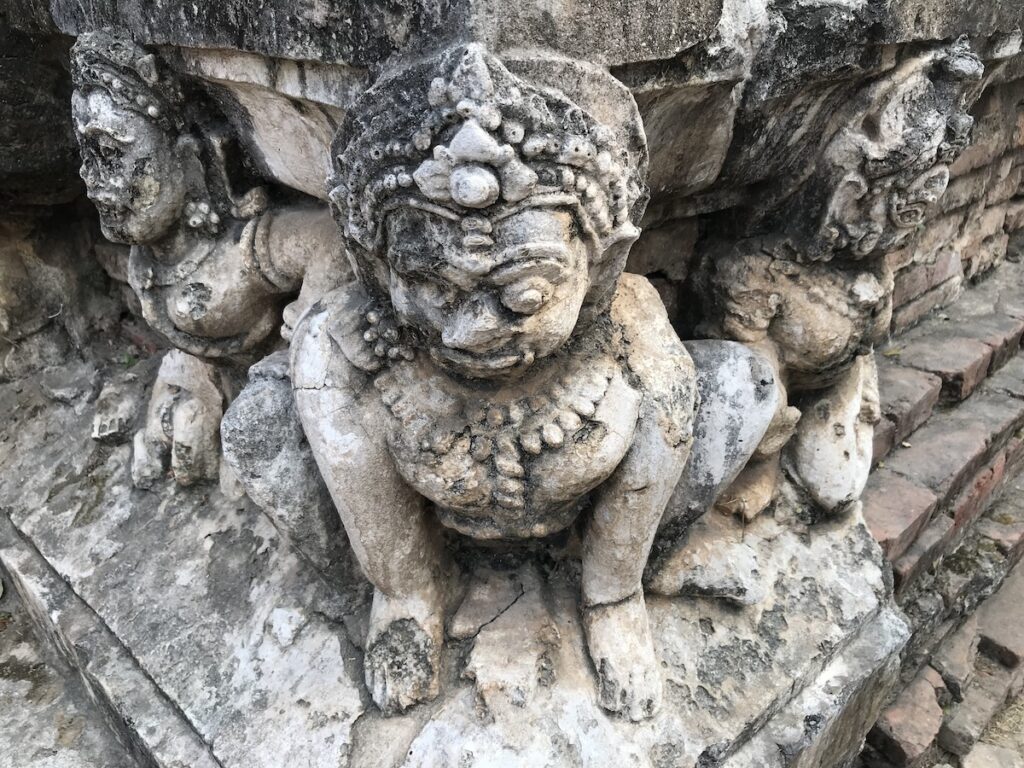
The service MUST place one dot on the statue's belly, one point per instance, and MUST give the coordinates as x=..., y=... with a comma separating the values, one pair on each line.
x=522, y=481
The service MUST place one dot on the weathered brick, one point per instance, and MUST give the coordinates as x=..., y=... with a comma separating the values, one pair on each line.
x=954, y=659
x=883, y=440
x=917, y=279
x=1004, y=183
x=923, y=552
x=1000, y=332
x=962, y=363
x=984, y=698
x=913, y=311
x=908, y=396
x=1009, y=379
x=895, y=510
x=966, y=189
x=975, y=494
x=984, y=255
x=909, y=726
x=1001, y=622
x=941, y=455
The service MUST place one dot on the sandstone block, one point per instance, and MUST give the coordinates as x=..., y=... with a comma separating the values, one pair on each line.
x=913, y=311
x=917, y=279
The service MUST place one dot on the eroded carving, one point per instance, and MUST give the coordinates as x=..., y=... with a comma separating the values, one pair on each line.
x=211, y=266
x=817, y=296
x=489, y=370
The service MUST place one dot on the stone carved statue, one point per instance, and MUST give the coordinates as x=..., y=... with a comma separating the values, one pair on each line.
x=816, y=298
x=490, y=371
x=210, y=267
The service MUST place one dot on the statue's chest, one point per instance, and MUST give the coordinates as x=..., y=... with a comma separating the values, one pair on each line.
x=510, y=464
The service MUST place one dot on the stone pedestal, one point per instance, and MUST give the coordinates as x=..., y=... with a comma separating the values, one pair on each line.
x=211, y=641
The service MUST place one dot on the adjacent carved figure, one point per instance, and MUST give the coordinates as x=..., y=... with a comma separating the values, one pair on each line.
x=816, y=298
x=489, y=370
x=210, y=267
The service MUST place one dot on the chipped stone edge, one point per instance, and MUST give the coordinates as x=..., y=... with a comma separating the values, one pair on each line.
x=824, y=726
x=154, y=730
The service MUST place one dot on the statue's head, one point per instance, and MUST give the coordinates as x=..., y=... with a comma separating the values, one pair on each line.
x=493, y=215
x=128, y=121
x=144, y=168
x=888, y=169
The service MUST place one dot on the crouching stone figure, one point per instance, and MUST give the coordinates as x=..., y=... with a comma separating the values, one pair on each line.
x=491, y=371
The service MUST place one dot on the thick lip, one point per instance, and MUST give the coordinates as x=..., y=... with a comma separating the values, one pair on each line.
x=488, y=364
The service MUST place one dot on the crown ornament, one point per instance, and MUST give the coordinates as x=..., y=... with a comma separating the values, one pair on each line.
x=464, y=137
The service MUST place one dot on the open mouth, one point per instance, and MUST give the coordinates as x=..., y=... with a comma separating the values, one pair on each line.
x=480, y=364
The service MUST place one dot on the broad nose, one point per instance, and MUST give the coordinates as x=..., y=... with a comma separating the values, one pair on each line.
x=476, y=326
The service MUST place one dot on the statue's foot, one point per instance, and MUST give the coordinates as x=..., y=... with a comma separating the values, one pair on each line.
x=753, y=489
x=621, y=647
x=403, y=650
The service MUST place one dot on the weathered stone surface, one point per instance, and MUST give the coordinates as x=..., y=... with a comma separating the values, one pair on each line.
x=47, y=719
x=990, y=756
x=264, y=443
x=244, y=588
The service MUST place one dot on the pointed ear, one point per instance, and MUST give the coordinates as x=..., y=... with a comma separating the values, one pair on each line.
x=146, y=67
x=613, y=260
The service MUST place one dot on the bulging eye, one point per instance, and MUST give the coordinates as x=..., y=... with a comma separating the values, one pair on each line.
x=526, y=296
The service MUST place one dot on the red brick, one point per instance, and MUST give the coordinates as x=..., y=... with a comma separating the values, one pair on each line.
x=976, y=494
x=966, y=189
x=941, y=455
x=1008, y=537
x=1001, y=622
x=930, y=544
x=1000, y=332
x=962, y=363
x=954, y=659
x=1010, y=379
x=910, y=725
x=908, y=396
x=895, y=510
x=920, y=278
x=911, y=312
x=883, y=440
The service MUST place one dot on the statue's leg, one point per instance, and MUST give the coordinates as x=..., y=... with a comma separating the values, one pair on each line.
x=616, y=545
x=397, y=548
x=829, y=457
x=756, y=484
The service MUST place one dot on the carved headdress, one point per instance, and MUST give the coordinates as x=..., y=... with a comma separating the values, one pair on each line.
x=129, y=74
x=464, y=137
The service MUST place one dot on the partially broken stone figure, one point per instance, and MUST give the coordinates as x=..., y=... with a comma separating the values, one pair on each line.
x=815, y=296
x=210, y=267
x=490, y=370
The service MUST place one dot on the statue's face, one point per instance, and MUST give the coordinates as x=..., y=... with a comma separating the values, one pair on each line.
x=129, y=169
x=488, y=310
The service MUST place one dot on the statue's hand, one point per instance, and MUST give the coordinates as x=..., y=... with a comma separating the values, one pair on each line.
x=182, y=429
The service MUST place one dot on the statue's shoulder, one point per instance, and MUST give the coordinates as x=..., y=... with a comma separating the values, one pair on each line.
x=328, y=348
x=654, y=353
